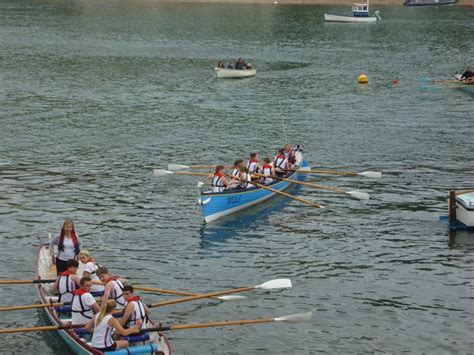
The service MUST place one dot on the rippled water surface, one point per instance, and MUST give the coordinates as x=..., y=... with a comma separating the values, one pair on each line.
x=94, y=95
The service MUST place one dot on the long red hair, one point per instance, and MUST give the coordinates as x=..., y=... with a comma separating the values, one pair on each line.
x=73, y=237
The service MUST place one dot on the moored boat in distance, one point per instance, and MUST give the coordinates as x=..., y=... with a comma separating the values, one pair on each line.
x=429, y=2
x=461, y=208
x=79, y=344
x=360, y=13
x=219, y=204
x=226, y=73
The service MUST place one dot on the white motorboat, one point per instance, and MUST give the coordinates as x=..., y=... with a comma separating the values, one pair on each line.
x=465, y=207
x=360, y=13
x=235, y=73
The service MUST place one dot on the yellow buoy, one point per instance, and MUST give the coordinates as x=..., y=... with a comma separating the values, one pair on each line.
x=362, y=79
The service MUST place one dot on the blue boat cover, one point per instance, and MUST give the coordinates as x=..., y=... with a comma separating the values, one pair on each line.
x=142, y=349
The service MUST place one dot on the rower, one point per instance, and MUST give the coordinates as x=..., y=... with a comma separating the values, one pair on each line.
x=281, y=163
x=267, y=170
x=83, y=305
x=236, y=173
x=253, y=165
x=103, y=326
x=135, y=311
x=219, y=182
x=244, y=177
x=90, y=268
x=113, y=287
x=67, y=282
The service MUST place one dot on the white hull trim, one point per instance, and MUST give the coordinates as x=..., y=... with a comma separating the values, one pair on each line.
x=337, y=18
x=235, y=73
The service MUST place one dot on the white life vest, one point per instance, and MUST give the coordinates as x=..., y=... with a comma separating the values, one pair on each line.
x=91, y=268
x=117, y=294
x=267, y=171
x=217, y=183
x=235, y=172
x=243, y=184
x=252, y=166
x=138, y=313
x=280, y=162
x=102, y=337
x=65, y=286
x=81, y=313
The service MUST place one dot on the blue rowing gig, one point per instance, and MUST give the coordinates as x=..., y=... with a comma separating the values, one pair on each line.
x=219, y=204
x=78, y=343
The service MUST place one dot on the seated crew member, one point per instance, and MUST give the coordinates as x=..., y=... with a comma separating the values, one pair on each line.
x=90, y=268
x=67, y=282
x=290, y=155
x=219, y=182
x=83, y=305
x=135, y=311
x=236, y=173
x=254, y=166
x=103, y=326
x=113, y=287
x=281, y=163
x=244, y=178
x=221, y=64
x=239, y=64
x=467, y=75
x=268, y=170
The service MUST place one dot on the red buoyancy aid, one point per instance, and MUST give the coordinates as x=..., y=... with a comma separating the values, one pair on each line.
x=67, y=273
x=267, y=166
x=79, y=292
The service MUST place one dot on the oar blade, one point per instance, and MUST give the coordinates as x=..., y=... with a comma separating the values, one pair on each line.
x=371, y=174
x=295, y=318
x=177, y=167
x=231, y=298
x=277, y=283
x=161, y=172
x=359, y=195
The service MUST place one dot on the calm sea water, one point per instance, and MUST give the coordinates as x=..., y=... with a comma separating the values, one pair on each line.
x=95, y=95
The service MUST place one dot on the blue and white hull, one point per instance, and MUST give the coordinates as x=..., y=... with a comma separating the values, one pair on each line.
x=217, y=205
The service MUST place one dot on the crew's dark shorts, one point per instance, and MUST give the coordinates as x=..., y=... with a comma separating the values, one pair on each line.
x=109, y=348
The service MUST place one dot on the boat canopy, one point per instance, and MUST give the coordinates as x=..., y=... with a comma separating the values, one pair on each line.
x=360, y=10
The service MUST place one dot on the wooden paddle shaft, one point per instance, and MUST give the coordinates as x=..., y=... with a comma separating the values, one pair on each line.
x=208, y=167
x=29, y=306
x=190, y=173
x=24, y=282
x=171, y=292
x=328, y=172
x=305, y=183
x=279, y=192
x=40, y=329
x=211, y=324
x=208, y=295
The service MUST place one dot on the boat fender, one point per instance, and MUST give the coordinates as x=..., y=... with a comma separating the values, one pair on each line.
x=206, y=201
x=137, y=338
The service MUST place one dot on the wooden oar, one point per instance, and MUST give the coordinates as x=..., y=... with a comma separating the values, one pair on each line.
x=162, y=172
x=292, y=318
x=182, y=293
x=369, y=174
x=176, y=167
x=464, y=192
x=279, y=192
x=269, y=285
x=356, y=194
x=41, y=329
x=25, y=282
x=29, y=306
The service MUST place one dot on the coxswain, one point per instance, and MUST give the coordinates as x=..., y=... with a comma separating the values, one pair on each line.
x=67, y=282
x=268, y=170
x=104, y=325
x=254, y=166
x=83, y=305
x=68, y=245
x=90, y=268
x=113, y=287
x=468, y=74
x=218, y=180
x=289, y=154
x=135, y=310
x=281, y=163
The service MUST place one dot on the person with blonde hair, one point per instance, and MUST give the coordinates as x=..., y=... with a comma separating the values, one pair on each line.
x=90, y=268
x=68, y=246
x=103, y=326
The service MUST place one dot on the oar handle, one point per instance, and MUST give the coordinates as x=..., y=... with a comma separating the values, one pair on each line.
x=171, y=292
x=208, y=295
x=30, y=306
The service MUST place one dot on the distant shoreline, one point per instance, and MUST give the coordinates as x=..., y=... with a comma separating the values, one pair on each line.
x=304, y=2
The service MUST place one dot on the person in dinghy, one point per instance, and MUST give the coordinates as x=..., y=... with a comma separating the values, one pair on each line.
x=104, y=325
x=113, y=287
x=219, y=181
x=83, y=305
x=135, y=311
x=90, y=268
x=468, y=75
x=268, y=170
x=68, y=246
x=67, y=282
x=281, y=163
x=253, y=166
